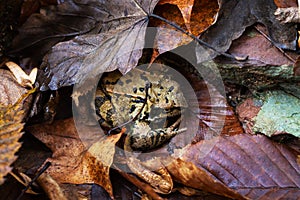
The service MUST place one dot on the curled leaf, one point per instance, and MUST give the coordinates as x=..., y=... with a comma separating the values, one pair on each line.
x=22, y=78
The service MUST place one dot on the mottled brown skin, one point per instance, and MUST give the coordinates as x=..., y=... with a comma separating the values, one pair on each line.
x=120, y=99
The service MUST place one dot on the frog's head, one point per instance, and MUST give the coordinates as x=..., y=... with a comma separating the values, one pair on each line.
x=168, y=95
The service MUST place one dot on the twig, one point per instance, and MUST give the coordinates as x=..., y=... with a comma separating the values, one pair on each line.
x=45, y=167
x=140, y=111
x=268, y=38
x=196, y=38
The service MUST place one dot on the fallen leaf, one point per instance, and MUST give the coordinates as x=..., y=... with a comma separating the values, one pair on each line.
x=21, y=77
x=252, y=166
x=71, y=162
x=239, y=16
x=259, y=49
x=53, y=24
x=193, y=176
x=197, y=17
x=285, y=3
x=167, y=37
x=11, y=125
x=11, y=90
x=185, y=8
x=204, y=15
x=118, y=44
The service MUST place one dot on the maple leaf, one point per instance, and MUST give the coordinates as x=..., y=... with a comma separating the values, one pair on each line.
x=118, y=43
x=242, y=165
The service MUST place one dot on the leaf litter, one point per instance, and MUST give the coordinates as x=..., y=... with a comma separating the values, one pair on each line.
x=104, y=48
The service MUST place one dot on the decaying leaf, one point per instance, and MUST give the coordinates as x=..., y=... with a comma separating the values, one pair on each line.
x=242, y=165
x=117, y=44
x=55, y=23
x=239, y=16
x=276, y=112
x=71, y=162
x=285, y=3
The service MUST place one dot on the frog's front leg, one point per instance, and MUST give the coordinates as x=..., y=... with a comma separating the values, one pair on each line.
x=143, y=138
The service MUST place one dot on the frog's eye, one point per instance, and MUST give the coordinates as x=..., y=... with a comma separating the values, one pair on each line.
x=171, y=89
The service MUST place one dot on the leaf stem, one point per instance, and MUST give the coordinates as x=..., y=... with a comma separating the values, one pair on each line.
x=44, y=168
x=194, y=37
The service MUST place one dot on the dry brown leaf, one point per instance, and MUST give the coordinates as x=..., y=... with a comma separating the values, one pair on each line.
x=185, y=8
x=253, y=166
x=13, y=109
x=192, y=17
x=11, y=89
x=285, y=3
x=235, y=16
x=203, y=16
x=167, y=37
x=71, y=162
